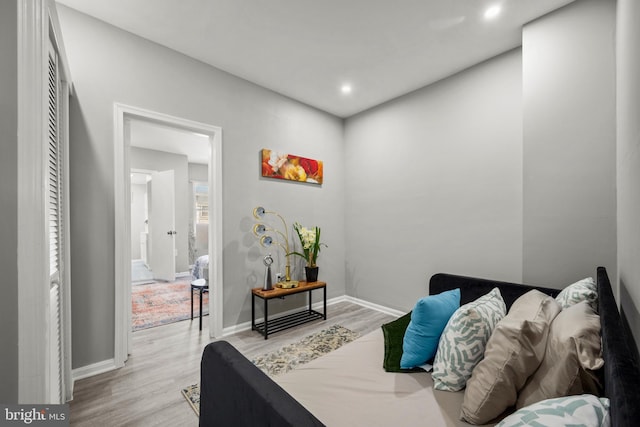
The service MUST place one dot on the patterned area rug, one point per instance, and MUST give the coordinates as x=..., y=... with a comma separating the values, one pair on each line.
x=161, y=303
x=289, y=357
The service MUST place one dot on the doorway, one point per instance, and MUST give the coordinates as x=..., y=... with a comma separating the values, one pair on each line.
x=126, y=119
x=163, y=163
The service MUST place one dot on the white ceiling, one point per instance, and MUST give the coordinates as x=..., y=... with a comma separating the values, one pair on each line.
x=170, y=140
x=306, y=49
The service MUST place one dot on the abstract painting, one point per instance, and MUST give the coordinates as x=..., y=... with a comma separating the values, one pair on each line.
x=291, y=167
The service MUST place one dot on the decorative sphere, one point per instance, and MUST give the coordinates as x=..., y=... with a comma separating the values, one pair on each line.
x=268, y=260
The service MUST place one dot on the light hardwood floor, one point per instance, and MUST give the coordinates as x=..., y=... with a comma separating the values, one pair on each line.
x=165, y=359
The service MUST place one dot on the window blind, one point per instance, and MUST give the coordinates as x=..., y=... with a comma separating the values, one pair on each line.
x=55, y=168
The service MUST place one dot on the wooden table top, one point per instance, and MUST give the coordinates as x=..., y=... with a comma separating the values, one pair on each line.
x=280, y=292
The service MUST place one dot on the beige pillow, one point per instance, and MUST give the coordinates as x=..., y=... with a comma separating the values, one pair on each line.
x=573, y=351
x=514, y=352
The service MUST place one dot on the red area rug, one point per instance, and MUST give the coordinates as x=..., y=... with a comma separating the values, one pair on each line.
x=161, y=303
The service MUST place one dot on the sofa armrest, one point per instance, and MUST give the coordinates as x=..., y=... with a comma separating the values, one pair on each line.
x=234, y=392
x=472, y=288
x=621, y=369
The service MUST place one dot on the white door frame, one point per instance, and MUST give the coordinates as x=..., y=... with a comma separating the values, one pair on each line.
x=122, y=114
x=36, y=21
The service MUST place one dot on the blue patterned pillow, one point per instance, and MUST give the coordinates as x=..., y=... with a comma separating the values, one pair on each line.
x=583, y=290
x=463, y=340
x=428, y=318
x=582, y=410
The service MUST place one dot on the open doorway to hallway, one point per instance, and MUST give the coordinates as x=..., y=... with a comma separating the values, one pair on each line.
x=169, y=223
x=124, y=117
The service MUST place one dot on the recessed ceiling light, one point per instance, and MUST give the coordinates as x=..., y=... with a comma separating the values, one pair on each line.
x=346, y=89
x=492, y=12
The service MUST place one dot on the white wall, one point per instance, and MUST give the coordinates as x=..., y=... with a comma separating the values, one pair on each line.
x=198, y=172
x=628, y=160
x=569, y=144
x=9, y=201
x=435, y=185
x=111, y=65
x=138, y=217
x=433, y=181
x=200, y=243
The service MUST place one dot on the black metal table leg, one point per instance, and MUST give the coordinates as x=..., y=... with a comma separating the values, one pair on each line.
x=325, y=303
x=191, y=302
x=201, y=289
x=253, y=312
x=266, y=319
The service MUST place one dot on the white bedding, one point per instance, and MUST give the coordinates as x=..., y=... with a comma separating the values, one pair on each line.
x=198, y=268
x=349, y=387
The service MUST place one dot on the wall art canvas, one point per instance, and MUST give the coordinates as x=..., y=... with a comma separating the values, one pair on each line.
x=291, y=167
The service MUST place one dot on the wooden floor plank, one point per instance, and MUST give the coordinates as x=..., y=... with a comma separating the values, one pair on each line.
x=165, y=359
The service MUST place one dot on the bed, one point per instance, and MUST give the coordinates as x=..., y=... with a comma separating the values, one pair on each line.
x=349, y=387
x=199, y=267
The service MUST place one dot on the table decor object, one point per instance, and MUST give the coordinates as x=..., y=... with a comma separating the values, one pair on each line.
x=261, y=231
x=310, y=241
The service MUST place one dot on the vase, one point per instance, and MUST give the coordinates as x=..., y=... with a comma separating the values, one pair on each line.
x=312, y=274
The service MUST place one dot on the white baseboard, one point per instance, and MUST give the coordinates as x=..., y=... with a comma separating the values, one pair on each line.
x=93, y=369
x=373, y=306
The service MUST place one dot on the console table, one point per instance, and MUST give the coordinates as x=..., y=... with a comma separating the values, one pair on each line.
x=289, y=320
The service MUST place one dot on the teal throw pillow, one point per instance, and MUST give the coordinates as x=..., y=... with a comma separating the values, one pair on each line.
x=428, y=319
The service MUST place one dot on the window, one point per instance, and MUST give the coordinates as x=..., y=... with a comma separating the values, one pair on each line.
x=201, y=195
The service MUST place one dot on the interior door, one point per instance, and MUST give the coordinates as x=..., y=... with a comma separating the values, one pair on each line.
x=162, y=226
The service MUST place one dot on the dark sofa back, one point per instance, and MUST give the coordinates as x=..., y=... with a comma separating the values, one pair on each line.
x=235, y=393
x=472, y=288
x=621, y=369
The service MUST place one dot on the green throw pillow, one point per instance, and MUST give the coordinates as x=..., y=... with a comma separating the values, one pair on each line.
x=393, y=337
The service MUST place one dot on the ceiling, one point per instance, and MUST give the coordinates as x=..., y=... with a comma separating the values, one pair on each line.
x=307, y=49
x=170, y=140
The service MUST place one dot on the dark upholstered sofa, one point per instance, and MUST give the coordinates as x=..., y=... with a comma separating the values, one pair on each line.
x=236, y=393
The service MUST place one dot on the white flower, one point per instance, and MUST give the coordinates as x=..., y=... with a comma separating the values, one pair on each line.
x=310, y=245
x=277, y=160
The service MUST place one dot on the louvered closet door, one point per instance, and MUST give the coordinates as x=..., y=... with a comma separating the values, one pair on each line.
x=56, y=224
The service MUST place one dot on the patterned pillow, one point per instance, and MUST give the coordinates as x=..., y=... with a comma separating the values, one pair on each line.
x=583, y=410
x=463, y=340
x=583, y=290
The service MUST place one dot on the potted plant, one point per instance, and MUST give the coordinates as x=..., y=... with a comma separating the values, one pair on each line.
x=310, y=241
